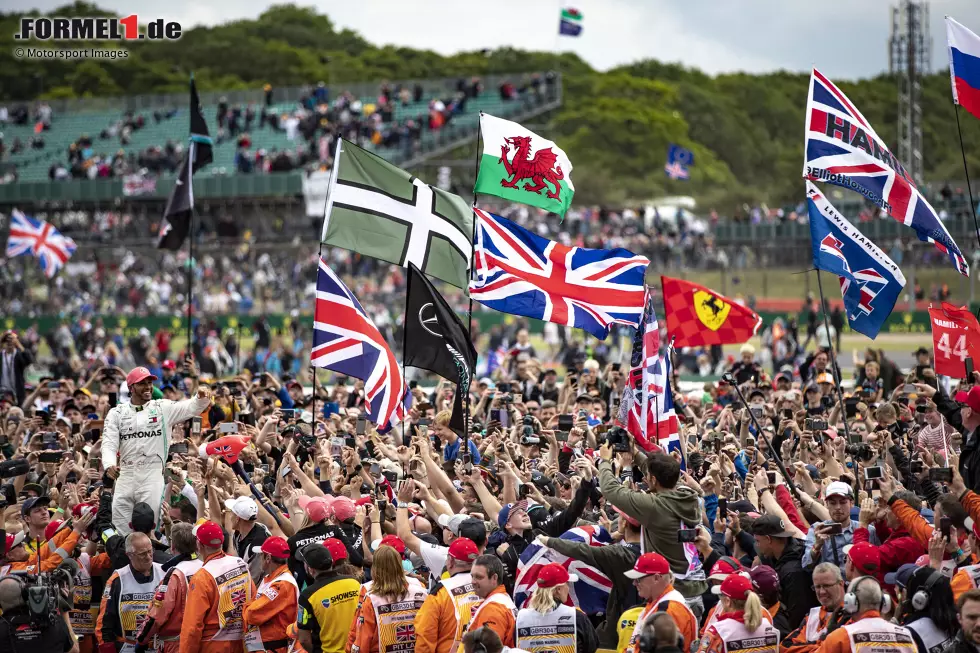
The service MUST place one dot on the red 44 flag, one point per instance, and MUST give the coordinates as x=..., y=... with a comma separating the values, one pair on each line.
x=956, y=337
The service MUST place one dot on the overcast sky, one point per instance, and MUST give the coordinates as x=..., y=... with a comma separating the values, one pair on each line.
x=845, y=39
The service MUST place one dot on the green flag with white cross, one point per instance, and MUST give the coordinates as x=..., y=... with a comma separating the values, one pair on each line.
x=377, y=209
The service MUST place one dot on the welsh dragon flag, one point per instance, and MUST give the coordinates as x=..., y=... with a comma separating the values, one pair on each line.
x=520, y=166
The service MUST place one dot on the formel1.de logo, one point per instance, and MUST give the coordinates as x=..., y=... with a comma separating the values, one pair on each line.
x=100, y=28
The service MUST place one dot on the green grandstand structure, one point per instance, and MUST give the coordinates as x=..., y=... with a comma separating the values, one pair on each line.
x=73, y=119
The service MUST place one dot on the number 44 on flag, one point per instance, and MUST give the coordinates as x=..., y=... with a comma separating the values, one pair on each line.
x=956, y=337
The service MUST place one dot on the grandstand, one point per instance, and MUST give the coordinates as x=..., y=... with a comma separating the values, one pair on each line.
x=164, y=119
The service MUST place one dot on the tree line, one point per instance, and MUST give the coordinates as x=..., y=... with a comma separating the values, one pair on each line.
x=746, y=131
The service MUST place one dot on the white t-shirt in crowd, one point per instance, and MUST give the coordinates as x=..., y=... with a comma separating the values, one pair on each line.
x=434, y=556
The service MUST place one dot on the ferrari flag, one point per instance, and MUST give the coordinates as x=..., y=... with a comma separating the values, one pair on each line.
x=697, y=316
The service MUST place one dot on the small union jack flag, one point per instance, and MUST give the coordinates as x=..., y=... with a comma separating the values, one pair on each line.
x=405, y=633
x=647, y=407
x=347, y=341
x=41, y=240
x=238, y=597
x=842, y=148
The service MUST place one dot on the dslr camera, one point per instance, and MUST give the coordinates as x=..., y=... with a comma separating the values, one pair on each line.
x=862, y=452
x=619, y=439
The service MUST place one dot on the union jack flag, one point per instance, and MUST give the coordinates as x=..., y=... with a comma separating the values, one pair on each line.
x=40, y=239
x=843, y=149
x=590, y=592
x=347, y=341
x=405, y=633
x=521, y=273
x=647, y=407
x=238, y=597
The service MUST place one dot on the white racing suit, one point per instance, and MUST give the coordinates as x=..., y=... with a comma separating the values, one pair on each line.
x=137, y=439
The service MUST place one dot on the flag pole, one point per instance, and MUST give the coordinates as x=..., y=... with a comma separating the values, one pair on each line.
x=313, y=370
x=469, y=325
x=833, y=357
x=966, y=171
x=476, y=174
x=327, y=206
x=190, y=274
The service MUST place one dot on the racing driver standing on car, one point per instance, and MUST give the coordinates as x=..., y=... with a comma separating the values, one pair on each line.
x=135, y=442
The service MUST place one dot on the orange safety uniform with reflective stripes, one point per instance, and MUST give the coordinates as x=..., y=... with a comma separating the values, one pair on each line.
x=276, y=605
x=200, y=621
x=496, y=617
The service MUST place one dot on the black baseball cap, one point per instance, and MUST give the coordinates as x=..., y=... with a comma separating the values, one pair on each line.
x=475, y=530
x=770, y=525
x=316, y=556
x=142, y=520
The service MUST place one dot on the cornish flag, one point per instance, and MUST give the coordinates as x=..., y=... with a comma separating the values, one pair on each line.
x=41, y=240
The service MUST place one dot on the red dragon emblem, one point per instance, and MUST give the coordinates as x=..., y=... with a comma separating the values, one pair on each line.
x=541, y=168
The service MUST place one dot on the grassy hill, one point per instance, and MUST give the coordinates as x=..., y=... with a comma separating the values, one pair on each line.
x=746, y=130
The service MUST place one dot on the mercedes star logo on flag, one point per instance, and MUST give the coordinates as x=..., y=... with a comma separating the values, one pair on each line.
x=429, y=321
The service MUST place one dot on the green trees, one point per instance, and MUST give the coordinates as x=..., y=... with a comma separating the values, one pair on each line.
x=746, y=131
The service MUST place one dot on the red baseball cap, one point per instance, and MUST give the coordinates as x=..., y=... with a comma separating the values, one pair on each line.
x=725, y=566
x=83, y=509
x=394, y=542
x=14, y=540
x=647, y=564
x=864, y=556
x=363, y=501
x=52, y=528
x=630, y=520
x=138, y=374
x=736, y=587
x=464, y=550
x=765, y=580
x=277, y=547
x=168, y=365
x=555, y=574
x=971, y=398
x=336, y=548
x=209, y=534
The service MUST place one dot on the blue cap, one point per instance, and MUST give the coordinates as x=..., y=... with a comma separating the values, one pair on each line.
x=902, y=576
x=504, y=513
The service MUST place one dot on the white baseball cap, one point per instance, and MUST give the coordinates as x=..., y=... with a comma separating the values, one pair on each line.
x=243, y=507
x=839, y=489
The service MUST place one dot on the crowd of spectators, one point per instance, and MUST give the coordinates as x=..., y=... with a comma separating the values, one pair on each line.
x=309, y=129
x=784, y=515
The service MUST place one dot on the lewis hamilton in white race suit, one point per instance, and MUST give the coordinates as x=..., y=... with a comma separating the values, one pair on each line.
x=135, y=443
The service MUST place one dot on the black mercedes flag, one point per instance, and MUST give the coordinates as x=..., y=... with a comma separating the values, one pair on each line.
x=176, y=222
x=202, y=153
x=436, y=340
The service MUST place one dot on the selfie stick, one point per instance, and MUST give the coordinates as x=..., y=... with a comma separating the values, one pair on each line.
x=227, y=448
x=774, y=455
